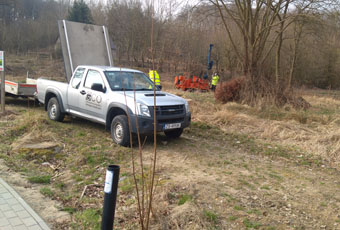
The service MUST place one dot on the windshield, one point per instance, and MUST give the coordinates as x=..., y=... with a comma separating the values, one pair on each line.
x=120, y=80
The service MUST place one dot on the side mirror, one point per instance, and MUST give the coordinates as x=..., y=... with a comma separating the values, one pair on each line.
x=98, y=87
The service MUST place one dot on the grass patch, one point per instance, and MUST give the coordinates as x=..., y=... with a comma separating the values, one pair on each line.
x=60, y=185
x=246, y=183
x=323, y=204
x=46, y=192
x=254, y=211
x=184, y=198
x=69, y=210
x=275, y=176
x=238, y=208
x=211, y=216
x=252, y=225
x=127, y=185
x=266, y=187
x=46, y=179
x=81, y=134
x=88, y=219
x=232, y=218
x=201, y=125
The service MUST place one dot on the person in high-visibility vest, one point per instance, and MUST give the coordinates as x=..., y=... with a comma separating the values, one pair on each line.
x=214, y=81
x=153, y=75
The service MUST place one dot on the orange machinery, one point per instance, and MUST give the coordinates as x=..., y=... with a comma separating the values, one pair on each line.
x=194, y=83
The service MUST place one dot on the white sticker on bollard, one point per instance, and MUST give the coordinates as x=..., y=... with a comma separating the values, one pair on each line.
x=108, y=181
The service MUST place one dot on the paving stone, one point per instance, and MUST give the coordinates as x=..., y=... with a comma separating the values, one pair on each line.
x=15, y=221
x=2, y=201
x=29, y=221
x=8, y=227
x=20, y=227
x=2, y=189
x=3, y=222
x=23, y=214
x=10, y=214
x=5, y=207
x=34, y=227
x=12, y=201
x=6, y=196
x=17, y=207
x=15, y=213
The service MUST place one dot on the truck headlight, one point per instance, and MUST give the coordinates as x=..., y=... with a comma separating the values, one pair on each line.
x=143, y=110
x=187, y=109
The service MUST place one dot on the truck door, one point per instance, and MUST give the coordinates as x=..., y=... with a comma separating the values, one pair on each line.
x=73, y=91
x=94, y=101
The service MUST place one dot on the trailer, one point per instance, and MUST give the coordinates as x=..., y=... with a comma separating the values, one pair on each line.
x=18, y=89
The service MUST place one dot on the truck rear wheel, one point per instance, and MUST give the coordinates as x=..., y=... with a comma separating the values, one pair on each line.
x=54, y=111
x=174, y=133
x=120, y=130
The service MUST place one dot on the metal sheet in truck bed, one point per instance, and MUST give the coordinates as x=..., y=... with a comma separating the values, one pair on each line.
x=84, y=44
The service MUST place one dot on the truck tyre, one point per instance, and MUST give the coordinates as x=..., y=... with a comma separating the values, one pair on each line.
x=120, y=130
x=175, y=133
x=54, y=111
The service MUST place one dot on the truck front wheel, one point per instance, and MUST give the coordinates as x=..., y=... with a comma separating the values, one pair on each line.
x=174, y=133
x=120, y=130
x=54, y=111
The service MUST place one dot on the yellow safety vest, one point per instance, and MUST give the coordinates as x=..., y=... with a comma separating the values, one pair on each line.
x=215, y=79
x=153, y=75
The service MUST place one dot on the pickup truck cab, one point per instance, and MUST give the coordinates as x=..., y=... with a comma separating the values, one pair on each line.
x=121, y=99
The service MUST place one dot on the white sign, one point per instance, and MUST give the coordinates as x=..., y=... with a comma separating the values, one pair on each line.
x=2, y=62
x=108, y=181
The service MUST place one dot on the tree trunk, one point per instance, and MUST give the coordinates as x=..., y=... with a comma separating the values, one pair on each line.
x=298, y=33
x=282, y=19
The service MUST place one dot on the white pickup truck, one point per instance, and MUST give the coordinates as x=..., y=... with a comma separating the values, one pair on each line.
x=107, y=95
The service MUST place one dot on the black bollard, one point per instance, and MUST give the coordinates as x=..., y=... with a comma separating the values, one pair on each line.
x=110, y=190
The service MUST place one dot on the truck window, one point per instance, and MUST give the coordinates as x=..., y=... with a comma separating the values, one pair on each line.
x=78, y=75
x=92, y=77
x=119, y=80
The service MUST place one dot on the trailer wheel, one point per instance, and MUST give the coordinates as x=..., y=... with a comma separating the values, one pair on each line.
x=54, y=111
x=120, y=130
x=175, y=133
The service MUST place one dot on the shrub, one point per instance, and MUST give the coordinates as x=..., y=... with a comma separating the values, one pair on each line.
x=229, y=90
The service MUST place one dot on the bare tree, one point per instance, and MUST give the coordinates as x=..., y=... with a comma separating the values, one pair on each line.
x=261, y=25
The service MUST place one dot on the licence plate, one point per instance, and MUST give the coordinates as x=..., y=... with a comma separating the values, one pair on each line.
x=172, y=126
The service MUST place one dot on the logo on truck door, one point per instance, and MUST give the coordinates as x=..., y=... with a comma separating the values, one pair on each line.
x=93, y=100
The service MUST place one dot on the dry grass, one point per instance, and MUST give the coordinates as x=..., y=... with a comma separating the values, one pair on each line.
x=230, y=186
x=315, y=131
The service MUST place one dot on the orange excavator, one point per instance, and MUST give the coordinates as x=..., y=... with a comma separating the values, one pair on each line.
x=195, y=83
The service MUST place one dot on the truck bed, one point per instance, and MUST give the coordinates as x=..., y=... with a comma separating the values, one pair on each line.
x=43, y=85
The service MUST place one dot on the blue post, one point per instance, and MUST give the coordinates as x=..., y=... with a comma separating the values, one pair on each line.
x=210, y=63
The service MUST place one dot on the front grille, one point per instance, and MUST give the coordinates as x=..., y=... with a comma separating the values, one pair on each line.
x=168, y=110
x=169, y=121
